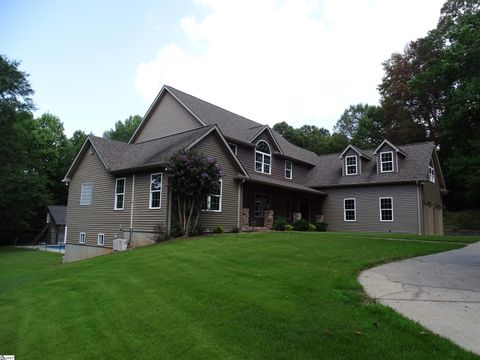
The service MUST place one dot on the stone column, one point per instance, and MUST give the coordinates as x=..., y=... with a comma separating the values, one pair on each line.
x=320, y=218
x=296, y=216
x=268, y=219
x=245, y=217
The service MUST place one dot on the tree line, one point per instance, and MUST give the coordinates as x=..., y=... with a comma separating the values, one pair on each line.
x=429, y=92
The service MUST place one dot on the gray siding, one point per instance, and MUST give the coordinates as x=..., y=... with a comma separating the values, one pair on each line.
x=405, y=208
x=169, y=117
x=227, y=218
x=99, y=217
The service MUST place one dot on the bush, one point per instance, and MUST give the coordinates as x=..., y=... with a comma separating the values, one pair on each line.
x=279, y=224
x=160, y=233
x=301, y=225
x=312, y=227
x=236, y=230
x=321, y=226
x=288, y=227
x=218, y=229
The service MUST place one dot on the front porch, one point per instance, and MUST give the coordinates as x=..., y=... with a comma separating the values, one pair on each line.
x=264, y=203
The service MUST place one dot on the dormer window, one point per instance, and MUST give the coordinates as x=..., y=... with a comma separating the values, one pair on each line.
x=431, y=172
x=386, y=161
x=351, y=165
x=263, y=158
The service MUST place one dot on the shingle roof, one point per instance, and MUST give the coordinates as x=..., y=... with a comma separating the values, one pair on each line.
x=413, y=167
x=267, y=180
x=235, y=126
x=58, y=214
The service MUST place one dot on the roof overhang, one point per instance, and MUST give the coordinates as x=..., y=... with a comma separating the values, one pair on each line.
x=350, y=146
x=267, y=128
x=396, y=148
x=282, y=185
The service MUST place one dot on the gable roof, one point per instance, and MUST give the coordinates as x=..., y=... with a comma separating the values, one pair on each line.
x=120, y=157
x=414, y=167
x=58, y=214
x=357, y=150
x=396, y=148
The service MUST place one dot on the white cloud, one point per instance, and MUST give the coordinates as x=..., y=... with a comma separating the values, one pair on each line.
x=297, y=61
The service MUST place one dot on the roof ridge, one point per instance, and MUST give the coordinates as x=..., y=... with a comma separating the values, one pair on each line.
x=203, y=127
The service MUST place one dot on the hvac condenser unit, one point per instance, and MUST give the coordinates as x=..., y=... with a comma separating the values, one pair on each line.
x=119, y=245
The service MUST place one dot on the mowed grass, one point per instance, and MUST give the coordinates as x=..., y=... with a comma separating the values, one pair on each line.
x=236, y=296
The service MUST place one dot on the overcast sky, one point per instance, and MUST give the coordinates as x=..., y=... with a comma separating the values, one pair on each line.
x=95, y=62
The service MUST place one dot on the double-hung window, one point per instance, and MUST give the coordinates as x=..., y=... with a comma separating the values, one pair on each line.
x=86, y=193
x=156, y=191
x=351, y=165
x=263, y=158
x=82, y=237
x=386, y=208
x=386, y=161
x=100, y=239
x=214, y=200
x=349, y=209
x=431, y=172
x=288, y=169
x=119, y=193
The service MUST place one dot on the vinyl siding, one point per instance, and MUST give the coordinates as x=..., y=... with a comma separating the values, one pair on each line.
x=99, y=217
x=387, y=148
x=227, y=218
x=169, y=117
x=405, y=208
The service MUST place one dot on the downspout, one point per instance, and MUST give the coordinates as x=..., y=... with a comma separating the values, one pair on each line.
x=418, y=209
x=131, y=209
x=240, y=187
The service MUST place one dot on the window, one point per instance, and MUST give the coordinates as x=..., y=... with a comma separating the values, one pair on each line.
x=119, y=193
x=214, y=200
x=86, y=194
x=263, y=159
x=386, y=209
x=260, y=204
x=351, y=165
x=431, y=172
x=82, y=237
x=349, y=210
x=233, y=147
x=100, y=239
x=156, y=191
x=288, y=169
x=386, y=161
x=288, y=209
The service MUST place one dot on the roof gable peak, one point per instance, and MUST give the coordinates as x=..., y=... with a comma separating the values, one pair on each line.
x=394, y=147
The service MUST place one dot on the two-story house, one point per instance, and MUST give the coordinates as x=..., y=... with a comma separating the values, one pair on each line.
x=120, y=190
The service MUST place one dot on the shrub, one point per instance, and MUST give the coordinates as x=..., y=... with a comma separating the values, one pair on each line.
x=321, y=226
x=279, y=224
x=301, y=225
x=312, y=227
x=236, y=230
x=159, y=233
x=218, y=229
x=288, y=227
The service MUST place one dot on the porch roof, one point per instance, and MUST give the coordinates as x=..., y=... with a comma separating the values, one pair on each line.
x=260, y=179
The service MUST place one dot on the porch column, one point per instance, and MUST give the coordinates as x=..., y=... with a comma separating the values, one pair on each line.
x=319, y=218
x=296, y=216
x=268, y=219
x=245, y=217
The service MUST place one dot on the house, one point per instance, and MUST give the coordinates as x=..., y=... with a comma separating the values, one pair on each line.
x=56, y=222
x=119, y=190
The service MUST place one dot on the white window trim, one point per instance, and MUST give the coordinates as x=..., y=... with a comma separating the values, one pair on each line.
x=209, y=199
x=235, y=147
x=84, y=237
x=152, y=191
x=381, y=162
x=101, y=236
x=431, y=173
x=117, y=193
x=354, y=210
x=263, y=158
x=291, y=169
x=356, y=164
x=83, y=203
x=380, y=207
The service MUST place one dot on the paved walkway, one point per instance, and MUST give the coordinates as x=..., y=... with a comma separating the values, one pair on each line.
x=440, y=291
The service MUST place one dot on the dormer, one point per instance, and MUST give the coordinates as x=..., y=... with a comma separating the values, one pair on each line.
x=352, y=159
x=388, y=157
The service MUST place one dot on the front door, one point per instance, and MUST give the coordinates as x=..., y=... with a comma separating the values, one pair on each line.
x=305, y=210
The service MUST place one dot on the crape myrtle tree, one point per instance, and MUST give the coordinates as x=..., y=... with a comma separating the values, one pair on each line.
x=192, y=176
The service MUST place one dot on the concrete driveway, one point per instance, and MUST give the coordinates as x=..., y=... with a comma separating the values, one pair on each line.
x=440, y=291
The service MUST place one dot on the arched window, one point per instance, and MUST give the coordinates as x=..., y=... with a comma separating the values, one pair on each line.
x=263, y=158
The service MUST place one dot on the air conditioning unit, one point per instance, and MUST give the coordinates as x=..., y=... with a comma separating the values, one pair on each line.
x=119, y=245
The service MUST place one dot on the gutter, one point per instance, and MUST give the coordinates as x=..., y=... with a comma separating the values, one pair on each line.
x=131, y=208
x=419, y=220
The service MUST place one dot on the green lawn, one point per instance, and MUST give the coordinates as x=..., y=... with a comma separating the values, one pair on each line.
x=237, y=296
